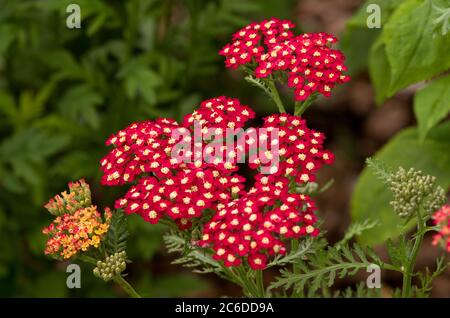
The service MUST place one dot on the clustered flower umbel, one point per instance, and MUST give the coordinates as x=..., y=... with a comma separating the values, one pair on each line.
x=412, y=190
x=441, y=219
x=245, y=227
x=308, y=59
x=112, y=266
x=77, y=226
x=246, y=224
x=168, y=186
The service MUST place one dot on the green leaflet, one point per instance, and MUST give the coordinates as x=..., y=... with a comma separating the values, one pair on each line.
x=432, y=104
x=116, y=237
x=371, y=197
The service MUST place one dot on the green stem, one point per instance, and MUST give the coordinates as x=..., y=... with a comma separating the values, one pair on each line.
x=249, y=285
x=301, y=107
x=408, y=272
x=294, y=247
x=275, y=95
x=88, y=259
x=260, y=283
x=240, y=278
x=295, y=268
x=126, y=286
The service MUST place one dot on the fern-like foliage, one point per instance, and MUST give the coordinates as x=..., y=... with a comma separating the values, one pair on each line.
x=359, y=291
x=322, y=268
x=426, y=278
x=116, y=238
x=260, y=83
x=380, y=170
x=305, y=248
x=356, y=229
x=200, y=261
x=399, y=252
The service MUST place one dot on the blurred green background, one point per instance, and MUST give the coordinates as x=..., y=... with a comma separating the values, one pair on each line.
x=64, y=91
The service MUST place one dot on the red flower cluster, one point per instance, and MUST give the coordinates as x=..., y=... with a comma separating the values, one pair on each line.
x=220, y=112
x=299, y=148
x=177, y=183
x=242, y=228
x=248, y=42
x=245, y=227
x=441, y=218
x=310, y=62
x=174, y=182
x=179, y=177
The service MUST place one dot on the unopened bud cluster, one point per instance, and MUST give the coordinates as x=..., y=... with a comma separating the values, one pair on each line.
x=413, y=190
x=79, y=197
x=112, y=266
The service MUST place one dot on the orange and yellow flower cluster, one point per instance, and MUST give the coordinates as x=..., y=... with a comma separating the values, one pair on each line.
x=77, y=227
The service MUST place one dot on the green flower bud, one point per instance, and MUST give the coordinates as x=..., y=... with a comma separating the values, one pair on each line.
x=413, y=190
x=112, y=266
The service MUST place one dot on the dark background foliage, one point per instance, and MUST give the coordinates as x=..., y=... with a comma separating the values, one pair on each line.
x=63, y=92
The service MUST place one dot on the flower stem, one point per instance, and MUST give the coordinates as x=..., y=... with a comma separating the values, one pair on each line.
x=126, y=286
x=408, y=272
x=260, y=283
x=117, y=279
x=275, y=95
x=295, y=268
x=301, y=107
x=294, y=247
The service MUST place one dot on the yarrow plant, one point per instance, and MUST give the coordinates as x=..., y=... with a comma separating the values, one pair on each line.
x=187, y=176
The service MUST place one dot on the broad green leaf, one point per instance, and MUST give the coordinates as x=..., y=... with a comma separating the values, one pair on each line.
x=371, y=197
x=7, y=36
x=358, y=38
x=64, y=63
x=356, y=44
x=32, y=105
x=79, y=104
x=139, y=80
x=76, y=164
x=27, y=171
x=432, y=104
x=8, y=106
x=379, y=70
x=414, y=51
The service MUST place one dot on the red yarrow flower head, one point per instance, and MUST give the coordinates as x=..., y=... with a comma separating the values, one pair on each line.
x=245, y=229
x=441, y=219
x=171, y=181
x=249, y=226
x=311, y=64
